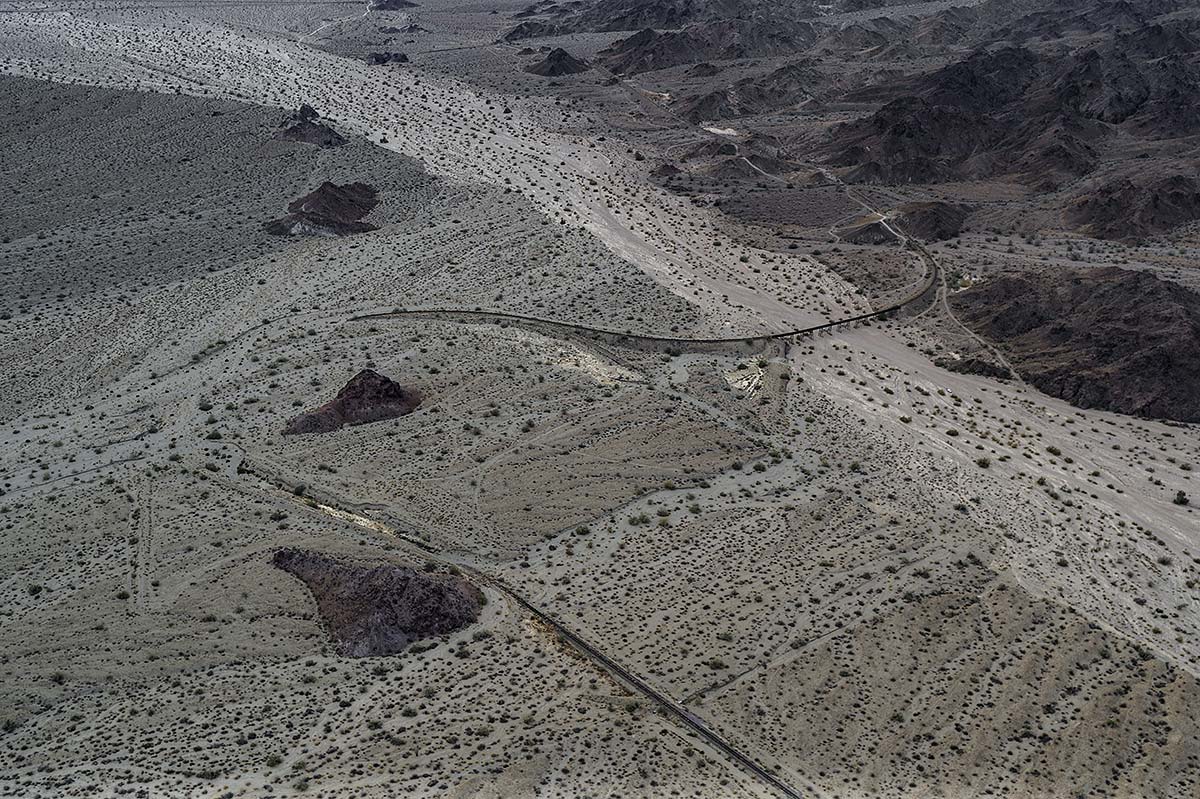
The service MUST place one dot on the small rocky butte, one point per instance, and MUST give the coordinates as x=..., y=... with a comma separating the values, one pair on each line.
x=374, y=610
x=558, y=62
x=330, y=210
x=368, y=397
x=306, y=127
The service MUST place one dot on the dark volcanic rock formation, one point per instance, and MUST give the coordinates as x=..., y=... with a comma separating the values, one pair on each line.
x=974, y=366
x=1123, y=209
x=379, y=59
x=331, y=210
x=867, y=232
x=1043, y=118
x=723, y=40
x=390, y=5
x=1106, y=338
x=379, y=610
x=305, y=127
x=552, y=19
x=559, y=62
x=532, y=29
x=368, y=397
x=932, y=221
x=911, y=141
x=785, y=86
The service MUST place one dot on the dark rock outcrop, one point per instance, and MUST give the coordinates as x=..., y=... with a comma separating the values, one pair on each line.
x=368, y=397
x=380, y=59
x=330, y=210
x=532, y=29
x=911, y=141
x=558, y=62
x=305, y=126
x=722, y=40
x=974, y=366
x=1128, y=210
x=933, y=220
x=390, y=5
x=379, y=610
x=781, y=88
x=409, y=29
x=1106, y=338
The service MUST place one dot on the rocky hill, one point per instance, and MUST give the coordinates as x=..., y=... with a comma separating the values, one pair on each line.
x=722, y=40
x=306, y=126
x=379, y=610
x=601, y=16
x=368, y=397
x=1105, y=338
x=558, y=62
x=330, y=210
x=1134, y=207
x=932, y=220
x=783, y=87
x=1043, y=118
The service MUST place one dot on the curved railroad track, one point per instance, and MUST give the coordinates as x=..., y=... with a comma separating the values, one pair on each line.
x=927, y=288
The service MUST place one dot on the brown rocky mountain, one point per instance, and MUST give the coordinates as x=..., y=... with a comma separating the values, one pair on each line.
x=1038, y=118
x=722, y=40
x=1106, y=338
x=910, y=140
x=783, y=87
x=601, y=16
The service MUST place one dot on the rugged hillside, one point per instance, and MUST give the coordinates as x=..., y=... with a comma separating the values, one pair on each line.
x=984, y=116
x=723, y=40
x=933, y=220
x=786, y=86
x=1104, y=338
x=1044, y=118
x=598, y=16
x=1131, y=208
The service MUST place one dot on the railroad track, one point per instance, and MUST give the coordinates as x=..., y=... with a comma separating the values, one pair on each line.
x=572, y=639
x=626, y=337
